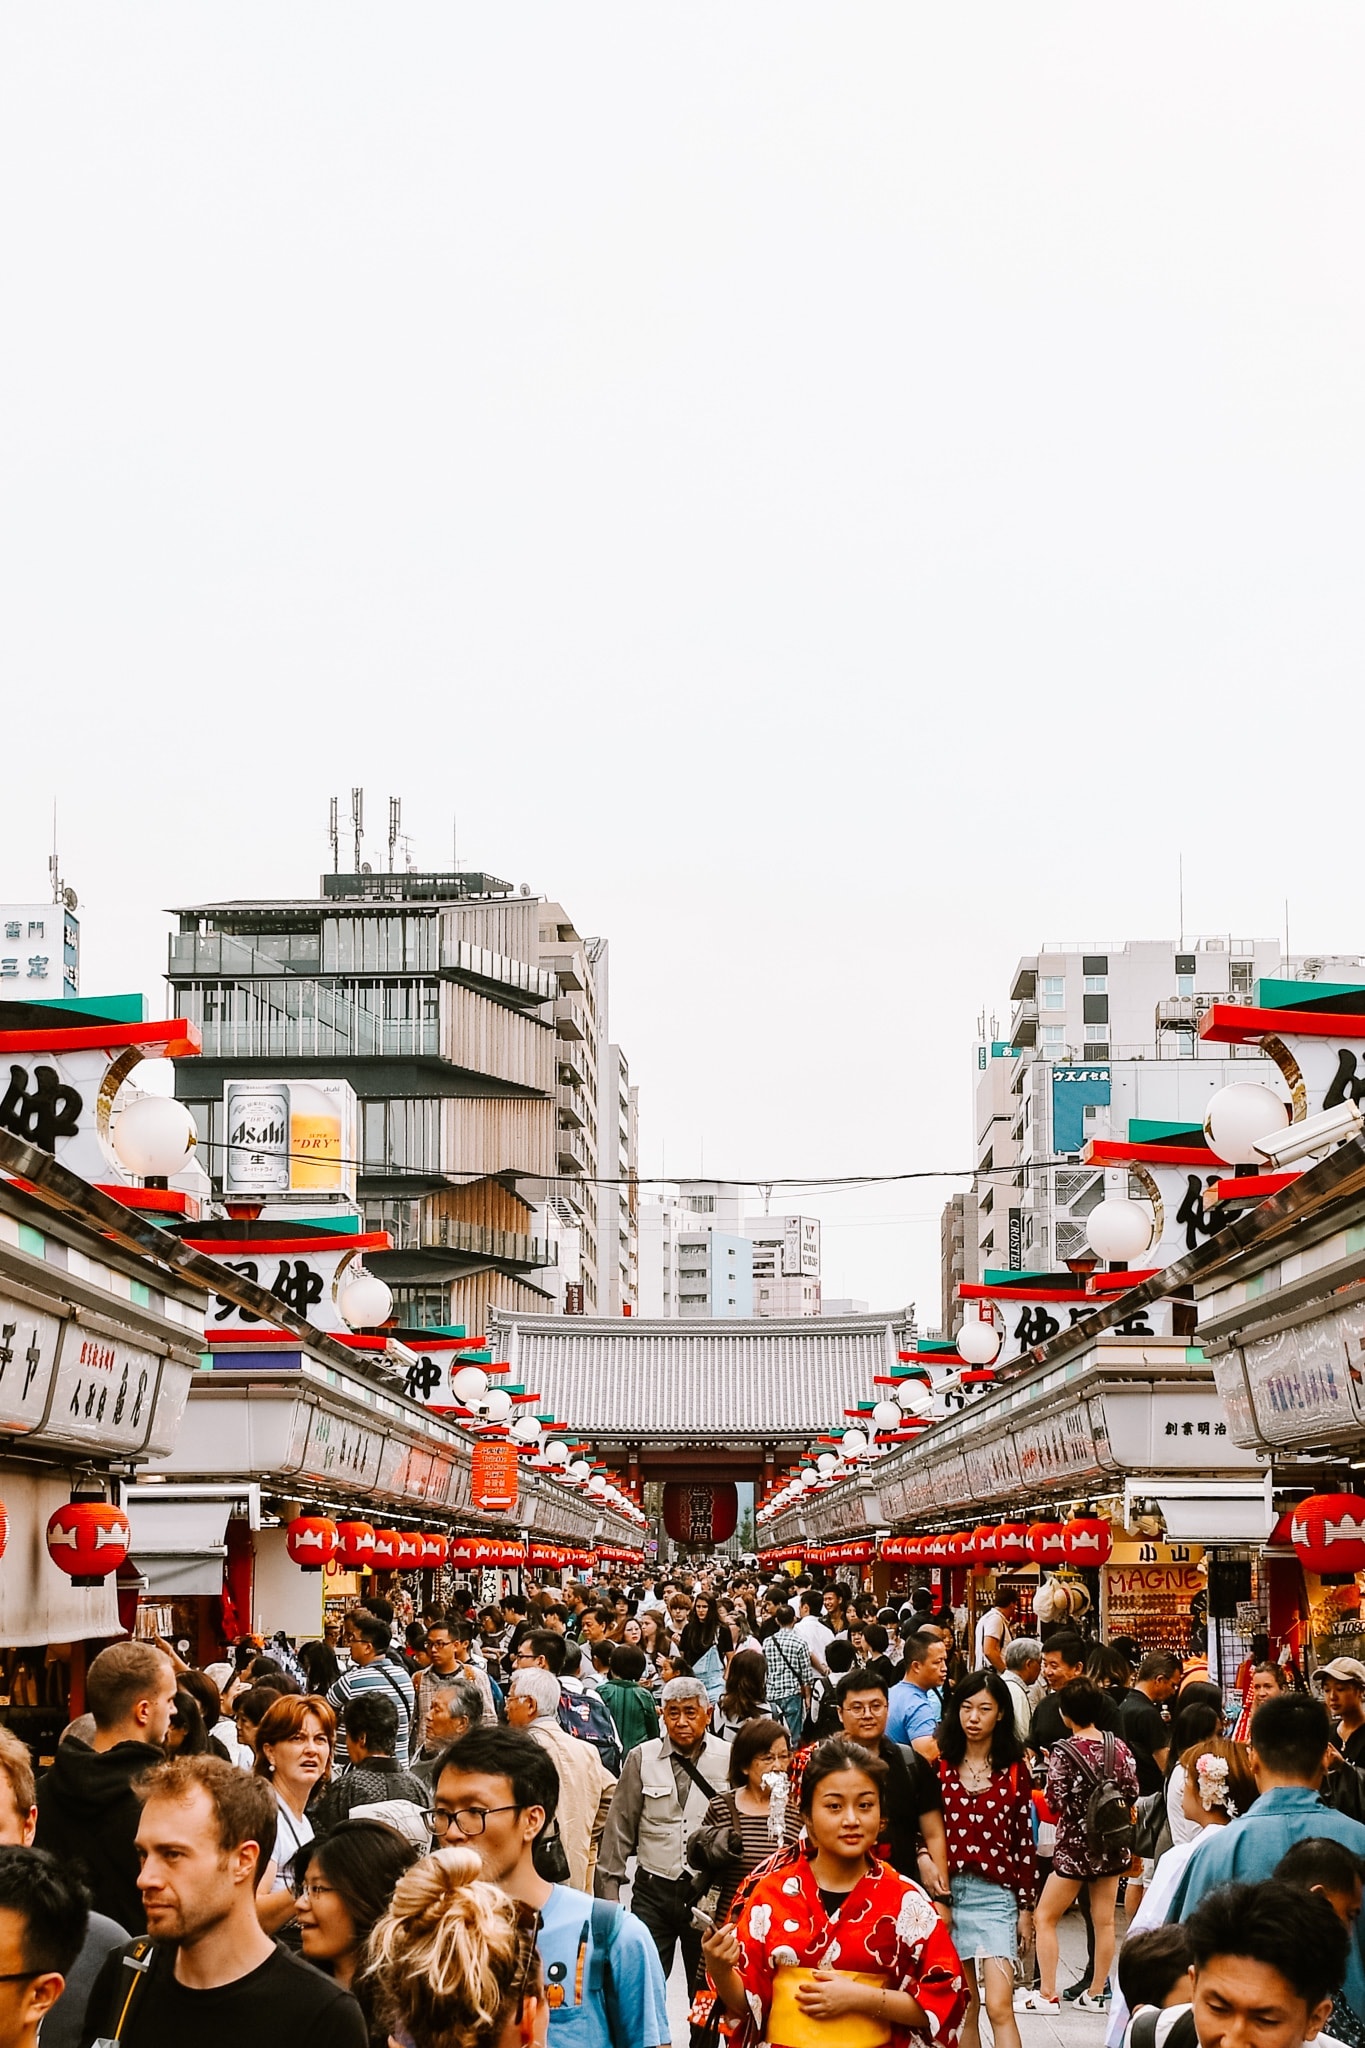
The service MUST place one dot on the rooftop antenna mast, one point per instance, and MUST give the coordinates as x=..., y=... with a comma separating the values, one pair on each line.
x=358, y=822
x=53, y=864
x=334, y=834
x=395, y=820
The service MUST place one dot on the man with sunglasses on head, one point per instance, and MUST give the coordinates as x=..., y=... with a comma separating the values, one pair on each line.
x=496, y=1792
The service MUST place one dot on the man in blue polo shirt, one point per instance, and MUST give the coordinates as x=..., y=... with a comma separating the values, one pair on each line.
x=496, y=1791
x=916, y=1705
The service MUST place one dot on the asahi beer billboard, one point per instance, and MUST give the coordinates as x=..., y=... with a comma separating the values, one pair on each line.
x=290, y=1138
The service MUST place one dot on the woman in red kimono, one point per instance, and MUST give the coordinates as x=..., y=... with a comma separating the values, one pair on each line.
x=830, y=1945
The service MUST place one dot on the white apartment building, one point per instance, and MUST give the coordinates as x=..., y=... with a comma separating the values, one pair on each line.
x=40, y=951
x=699, y=1255
x=1102, y=1039
x=618, y=1113
x=786, y=1264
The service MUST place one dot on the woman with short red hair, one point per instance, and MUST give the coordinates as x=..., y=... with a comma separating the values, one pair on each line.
x=294, y=1746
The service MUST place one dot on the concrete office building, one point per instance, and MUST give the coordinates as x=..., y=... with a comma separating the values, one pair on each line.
x=470, y=1020
x=699, y=1255
x=1099, y=1036
x=786, y=1265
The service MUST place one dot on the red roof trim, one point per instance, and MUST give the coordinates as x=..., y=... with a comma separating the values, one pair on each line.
x=1230, y=1024
x=1118, y=1152
x=177, y=1037
x=218, y=1247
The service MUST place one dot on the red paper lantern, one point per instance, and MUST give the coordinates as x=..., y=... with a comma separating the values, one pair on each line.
x=311, y=1541
x=435, y=1550
x=1011, y=1543
x=1088, y=1539
x=4, y=1528
x=960, y=1547
x=983, y=1545
x=385, y=1549
x=355, y=1546
x=88, y=1540
x=701, y=1514
x=1045, y=1543
x=1328, y=1532
x=409, y=1548
x=931, y=1549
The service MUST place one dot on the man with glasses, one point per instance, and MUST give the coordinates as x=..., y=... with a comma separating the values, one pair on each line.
x=450, y=1658
x=366, y=1636
x=42, y=1929
x=914, y=1840
x=497, y=1792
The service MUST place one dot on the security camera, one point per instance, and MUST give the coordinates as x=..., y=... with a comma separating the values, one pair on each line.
x=1312, y=1134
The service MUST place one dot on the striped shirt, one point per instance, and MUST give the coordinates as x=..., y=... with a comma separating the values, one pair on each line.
x=381, y=1675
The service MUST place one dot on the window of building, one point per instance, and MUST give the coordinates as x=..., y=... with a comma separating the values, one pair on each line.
x=1096, y=984
x=1054, y=991
x=1184, y=984
x=1053, y=1034
x=1240, y=976
x=1095, y=1009
x=1094, y=963
x=1096, y=1049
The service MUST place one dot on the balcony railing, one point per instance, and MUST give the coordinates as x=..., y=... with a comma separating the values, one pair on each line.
x=193, y=954
x=571, y=1105
x=498, y=972
x=573, y=1152
x=1024, y=1023
x=570, y=1021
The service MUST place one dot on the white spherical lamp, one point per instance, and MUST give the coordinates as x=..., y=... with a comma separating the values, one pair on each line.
x=978, y=1341
x=1119, y=1229
x=854, y=1442
x=915, y=1396
x=826, y=1463
x=526, y=1429
x=809, y=1480
x=365, y=1302
x=1240, y=1114
x=597, y=1485
x=497, y=1405
x=580, y=1470
x=154, y=1136
x=886, y=1415
x=469, y=1385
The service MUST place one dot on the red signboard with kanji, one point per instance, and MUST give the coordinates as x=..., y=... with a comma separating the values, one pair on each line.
x=493, y=1477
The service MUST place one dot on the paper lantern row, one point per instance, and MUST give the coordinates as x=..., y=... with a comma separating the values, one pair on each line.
x=1085, y=1540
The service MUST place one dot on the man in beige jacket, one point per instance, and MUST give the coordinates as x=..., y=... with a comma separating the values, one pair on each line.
x=585, y=1784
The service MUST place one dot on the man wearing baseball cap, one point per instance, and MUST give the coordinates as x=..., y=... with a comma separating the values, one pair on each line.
x=1343, y=1688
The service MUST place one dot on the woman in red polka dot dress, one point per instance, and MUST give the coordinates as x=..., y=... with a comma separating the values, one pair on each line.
x=988, y=1818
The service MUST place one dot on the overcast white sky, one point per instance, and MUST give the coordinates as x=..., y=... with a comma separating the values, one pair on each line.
x=835, y=494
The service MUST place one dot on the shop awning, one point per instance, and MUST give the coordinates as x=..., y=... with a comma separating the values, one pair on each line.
x=179, y=1545
x=1209, y=1511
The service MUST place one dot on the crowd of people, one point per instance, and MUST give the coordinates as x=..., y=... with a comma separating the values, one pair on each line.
x=844, y=1822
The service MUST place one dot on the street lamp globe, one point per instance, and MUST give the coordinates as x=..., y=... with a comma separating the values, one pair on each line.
x=854, y=1442
x=978, y=1341
x=914, y=1396
x=154, y=1136
x=1240, y=1114
x=469, y=1385
x=497, y=1404
x=365, y=1302
x=826, y=1463
x=1119, y=1229
x=886, y=1415
x=580, y=1470
x=526, y=1429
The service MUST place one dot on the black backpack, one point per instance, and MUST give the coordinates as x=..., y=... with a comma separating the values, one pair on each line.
x=1109, y=1830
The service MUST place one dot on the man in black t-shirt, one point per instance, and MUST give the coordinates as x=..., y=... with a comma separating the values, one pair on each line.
x=209, y=1976
x=1143, y=1725
x=913, y=1816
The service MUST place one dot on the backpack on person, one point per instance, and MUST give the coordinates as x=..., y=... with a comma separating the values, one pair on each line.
x=587, y=1717
x=1109, y=1830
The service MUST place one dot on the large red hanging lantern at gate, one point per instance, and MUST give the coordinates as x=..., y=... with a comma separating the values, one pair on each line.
x=311, y=1541
x=88, y=1539
x=355, y=1546
x=1088, y=1539
x=702, y=1513
x=1011, y=1543
x=1045, y=1543
x=1328, y=1532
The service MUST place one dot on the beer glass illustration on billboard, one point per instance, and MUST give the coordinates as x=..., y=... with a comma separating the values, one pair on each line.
x=315, y=1134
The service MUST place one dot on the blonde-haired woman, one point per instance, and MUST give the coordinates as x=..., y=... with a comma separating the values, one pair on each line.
x=454, y=1961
